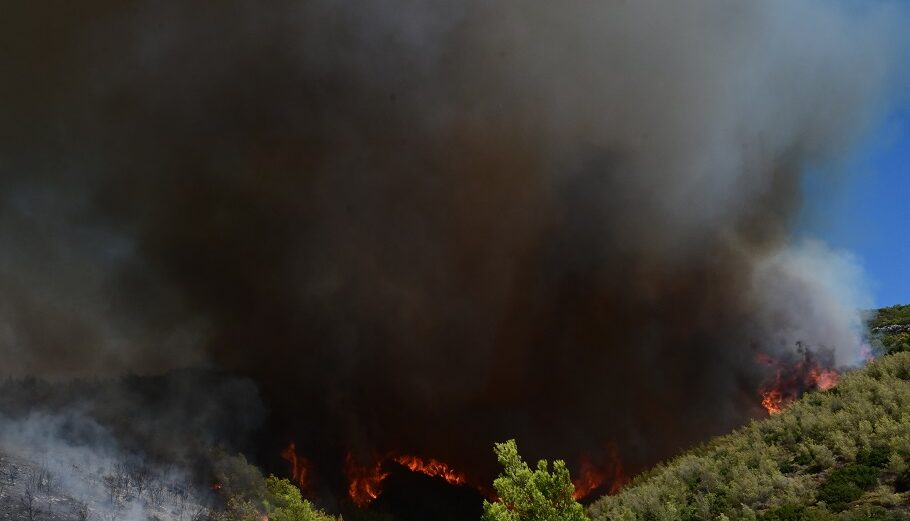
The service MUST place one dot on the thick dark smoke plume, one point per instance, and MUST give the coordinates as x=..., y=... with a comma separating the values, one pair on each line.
x=428, y=226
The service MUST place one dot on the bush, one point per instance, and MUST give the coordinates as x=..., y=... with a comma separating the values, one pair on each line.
x=784, y=513
x=845, y=485
x=876, y=457
x=288, y=505
x=838, y=495
x=526, y=495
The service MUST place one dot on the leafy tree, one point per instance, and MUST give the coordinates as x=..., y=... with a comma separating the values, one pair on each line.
x=531, y=495
x=288, y=505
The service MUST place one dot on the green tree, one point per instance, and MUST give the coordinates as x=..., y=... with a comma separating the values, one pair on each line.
x=287, y=504
x=526, y=495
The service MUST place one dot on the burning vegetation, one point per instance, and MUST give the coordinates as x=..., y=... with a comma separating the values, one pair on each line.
x=793, y=378
x=299, y=467
x=607, y=479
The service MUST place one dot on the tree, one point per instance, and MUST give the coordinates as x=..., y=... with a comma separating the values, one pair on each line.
x=288, y=505
x=526, y=495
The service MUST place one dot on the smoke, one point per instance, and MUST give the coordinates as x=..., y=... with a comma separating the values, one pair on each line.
x=428, y=227
x=131, y=448
x=91, y=475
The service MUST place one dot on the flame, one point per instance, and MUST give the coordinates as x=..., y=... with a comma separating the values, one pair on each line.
x=773, y=401
x=364, y=481
x=824, y=379
x=300, y=467
x=432, y=468
x=591, y=477
x=790, y=381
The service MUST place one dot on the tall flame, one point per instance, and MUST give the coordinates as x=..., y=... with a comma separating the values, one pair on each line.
x=364, y=481
x=591, y=477
x=300, y=467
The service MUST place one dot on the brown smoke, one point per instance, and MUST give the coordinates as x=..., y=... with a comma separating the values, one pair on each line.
x=427, y=226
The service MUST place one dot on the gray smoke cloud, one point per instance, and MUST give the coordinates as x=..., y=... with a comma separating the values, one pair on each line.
x=428, y=227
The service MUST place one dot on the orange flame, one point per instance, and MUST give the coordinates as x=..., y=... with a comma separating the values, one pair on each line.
x=824, y=379
x=300, y=467
x=791, y=381
x=432, y=468
x=773, y=401
x=591, y=477
x=364, y=481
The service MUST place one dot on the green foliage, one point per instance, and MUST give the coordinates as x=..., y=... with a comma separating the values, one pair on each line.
x=896, y=343
x=526, y=495
x=875, y=457
x=288, y=505
x=249, y=495
x=785, y=513
x=894, y=315
x=238, y=478
x=825, y=452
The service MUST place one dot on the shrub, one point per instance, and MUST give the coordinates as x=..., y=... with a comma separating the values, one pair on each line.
x=784, y=513
x=526, y=495
x=288, y=505
x=845, y=485
x=875, y=457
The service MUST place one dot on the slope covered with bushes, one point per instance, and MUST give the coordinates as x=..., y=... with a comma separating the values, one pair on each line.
x=836, y=454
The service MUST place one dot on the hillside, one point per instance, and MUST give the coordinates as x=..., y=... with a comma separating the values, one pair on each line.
x=838, y=454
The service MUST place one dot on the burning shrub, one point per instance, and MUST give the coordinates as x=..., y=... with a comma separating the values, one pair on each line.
x=526, y=495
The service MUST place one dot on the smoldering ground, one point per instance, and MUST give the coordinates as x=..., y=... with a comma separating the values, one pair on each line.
x=428, y=227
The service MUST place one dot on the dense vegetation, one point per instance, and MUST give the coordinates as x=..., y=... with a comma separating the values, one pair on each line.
x=894, y=315
x=250, y=497
x=835, y=455
x=891, y=329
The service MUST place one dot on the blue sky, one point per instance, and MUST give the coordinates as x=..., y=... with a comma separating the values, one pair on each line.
x=868, y=211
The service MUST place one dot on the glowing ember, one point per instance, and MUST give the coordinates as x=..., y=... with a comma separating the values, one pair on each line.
x=300, y=467
x=591, y=477
x=364, y=481
x=432, y=468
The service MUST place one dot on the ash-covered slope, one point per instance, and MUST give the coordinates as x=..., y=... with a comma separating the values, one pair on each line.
x=126, y=449
x=54, y=488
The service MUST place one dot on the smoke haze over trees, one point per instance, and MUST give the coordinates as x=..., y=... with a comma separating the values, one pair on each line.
x=428, y=227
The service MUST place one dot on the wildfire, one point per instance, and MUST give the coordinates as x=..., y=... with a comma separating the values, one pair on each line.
x=364, y=481
x=300, y=467
x=773, y=401
x=791, y=380
x=432, y=468
x=591, y=477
